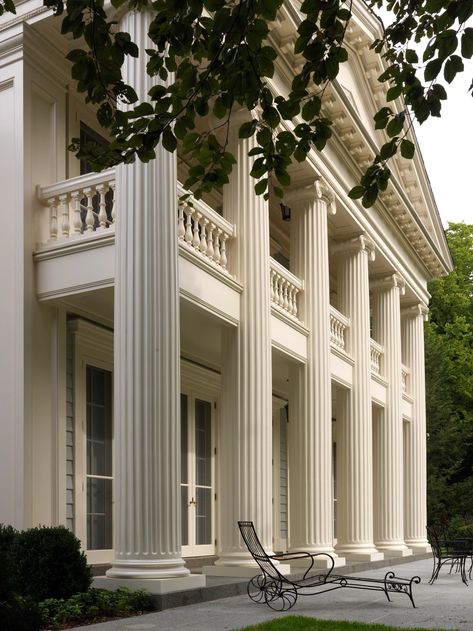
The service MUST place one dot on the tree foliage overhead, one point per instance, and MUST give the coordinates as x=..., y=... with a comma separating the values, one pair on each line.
x=449, y=383
x=215, y=56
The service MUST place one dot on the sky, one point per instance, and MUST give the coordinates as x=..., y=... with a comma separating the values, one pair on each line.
x=446, y=145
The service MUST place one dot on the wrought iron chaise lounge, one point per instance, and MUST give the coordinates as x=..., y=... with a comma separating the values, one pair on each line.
x=280, y=592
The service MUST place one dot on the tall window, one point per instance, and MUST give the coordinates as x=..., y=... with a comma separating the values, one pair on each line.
x=99, y=458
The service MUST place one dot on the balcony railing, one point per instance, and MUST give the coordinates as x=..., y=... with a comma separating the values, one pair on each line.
x=376, y=357
x=339, y=326
x=81, y=205
x=404, y=379
x=285, y=289
x=202, y=231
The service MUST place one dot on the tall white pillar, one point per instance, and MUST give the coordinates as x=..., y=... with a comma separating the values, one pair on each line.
x=245, y=449
x=354, y=445
x=310, y=427
x=415, y=466
x=388, y=430
x=147, y=522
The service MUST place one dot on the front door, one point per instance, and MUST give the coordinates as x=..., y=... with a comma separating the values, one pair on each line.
x=197, y=475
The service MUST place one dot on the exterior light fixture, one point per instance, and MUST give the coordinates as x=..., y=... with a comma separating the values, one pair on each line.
x=285, y=212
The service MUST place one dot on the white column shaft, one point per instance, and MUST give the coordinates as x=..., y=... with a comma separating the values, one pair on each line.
x=388, y=430
x=310, y=431
x=147, y=463
x=355, y=523
x=415, y=477
x=245, y=424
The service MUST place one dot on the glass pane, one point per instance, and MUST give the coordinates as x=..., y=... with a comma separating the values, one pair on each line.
x=184, y=516
x=184, y=439
x=99, y=514
x=203, y=443
x=203, y=516
x=99, y=421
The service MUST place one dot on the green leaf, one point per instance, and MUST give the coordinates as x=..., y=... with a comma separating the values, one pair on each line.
x=169, y=140
x=395, y=125
x=247, y=129
x=407, y=149
x=261, y=186
x=432, y=69
x=394, y=92
x=356, y=192
x=467, y=43
x=219, y=108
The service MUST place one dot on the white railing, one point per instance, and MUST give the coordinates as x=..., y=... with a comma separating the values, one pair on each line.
x=376, y=356
x=339, y=325
x=404, y=378
x=285, y=288
x=203, y=231
x=81, y=205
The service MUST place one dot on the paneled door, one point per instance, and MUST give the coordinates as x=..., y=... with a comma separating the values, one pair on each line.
x=197, y=475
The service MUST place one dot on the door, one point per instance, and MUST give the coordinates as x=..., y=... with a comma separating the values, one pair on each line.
x=197, y=475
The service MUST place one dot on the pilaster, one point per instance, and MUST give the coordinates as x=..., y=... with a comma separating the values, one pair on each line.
x=388, y=427
x=355, y=479
x=310, y=429
x=415, y=465
x=147, y=442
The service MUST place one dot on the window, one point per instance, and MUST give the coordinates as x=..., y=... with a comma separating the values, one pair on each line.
x=93, y=439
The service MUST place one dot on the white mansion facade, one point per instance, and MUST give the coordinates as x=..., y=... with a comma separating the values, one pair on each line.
x=168, y=369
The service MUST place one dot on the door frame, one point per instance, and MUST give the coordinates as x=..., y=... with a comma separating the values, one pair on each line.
x=199, y=382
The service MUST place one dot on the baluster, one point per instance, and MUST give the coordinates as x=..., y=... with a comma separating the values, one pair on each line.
x=76, y=219
x=223, y=252
x=272, y=275
x=203, y=236
x=196, y=238
x=52, y=219
x=89, y=218
x=217, y=255
x=189, y=212
x=294, y=302
x=103, y=219
x=290, y=298
x=64, y=215
x=181, y=230
x=278, y=290
x=210, y=242
x=285, y=304
x=113, y=213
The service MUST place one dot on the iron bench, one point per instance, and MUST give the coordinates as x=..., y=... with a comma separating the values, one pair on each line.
x=280, y=592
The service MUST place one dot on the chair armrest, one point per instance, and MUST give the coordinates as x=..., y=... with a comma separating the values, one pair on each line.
x=306, y=555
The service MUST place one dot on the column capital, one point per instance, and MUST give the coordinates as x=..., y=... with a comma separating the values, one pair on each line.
x=319, y=189
x=389, y=282
x=418, y=310
x=361, y=243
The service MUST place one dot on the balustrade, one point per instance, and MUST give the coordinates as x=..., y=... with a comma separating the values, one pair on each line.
x=203, y=231
x=339, y=325
x=404, y=379
x=285, y=288
x=376, y=356
x=81, y=205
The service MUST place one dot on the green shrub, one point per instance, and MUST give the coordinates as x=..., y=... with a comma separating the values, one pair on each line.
x=49, y=563
x=466, y=531
x=7, y=561
x=92, y=605
x=19, y=614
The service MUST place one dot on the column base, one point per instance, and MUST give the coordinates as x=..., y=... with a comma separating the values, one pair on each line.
x=399, y=550
x=354, y=552
x=148, y=569
x=152, y=585
x=240, y=571
x=319, y=562
x=419, y=547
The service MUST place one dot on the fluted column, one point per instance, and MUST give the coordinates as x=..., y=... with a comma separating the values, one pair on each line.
x=354, y=445
x=388, y=429
x=147, y=443
x=310, y=429
x=415, y=465
x=246, y=420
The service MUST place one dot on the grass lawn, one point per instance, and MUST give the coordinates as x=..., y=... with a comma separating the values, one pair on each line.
x=301, y=623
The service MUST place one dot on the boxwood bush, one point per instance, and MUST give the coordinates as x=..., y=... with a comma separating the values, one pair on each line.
x=50, y=564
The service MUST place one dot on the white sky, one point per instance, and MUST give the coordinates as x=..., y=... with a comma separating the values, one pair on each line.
x=446, y=146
